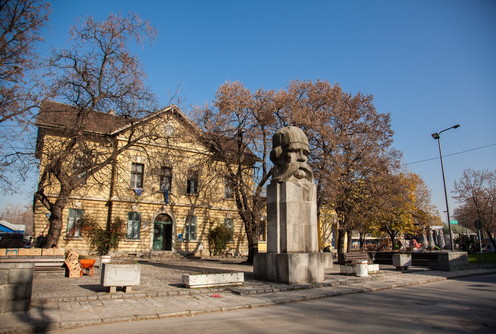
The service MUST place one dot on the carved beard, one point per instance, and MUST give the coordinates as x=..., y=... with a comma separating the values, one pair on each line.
x=297, y=169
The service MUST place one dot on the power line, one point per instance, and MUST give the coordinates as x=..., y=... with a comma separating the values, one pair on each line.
x=448, y=155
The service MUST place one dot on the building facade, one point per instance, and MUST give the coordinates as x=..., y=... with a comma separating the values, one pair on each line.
x=167, y=186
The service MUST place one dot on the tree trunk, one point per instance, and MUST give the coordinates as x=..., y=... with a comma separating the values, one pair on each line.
x=362, y=241
x=55, y=220
x=252, y=236
x=341, y=241
x=349, y=234
x=393, y=240
x=55, y=228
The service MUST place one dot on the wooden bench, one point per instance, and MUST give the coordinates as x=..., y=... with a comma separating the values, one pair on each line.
x=353, y=258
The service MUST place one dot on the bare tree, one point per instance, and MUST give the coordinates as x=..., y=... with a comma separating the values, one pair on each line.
x=20, y=24
x=349, y=145
x=476, y=195
x=239, y=128
x=97, y=74
x=350, y=142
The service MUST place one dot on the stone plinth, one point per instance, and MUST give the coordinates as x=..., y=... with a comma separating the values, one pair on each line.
x=211, y=280
x=292, y=218
x=402, y=261
x=118, y=274
x=292, y=239
x=290, y=268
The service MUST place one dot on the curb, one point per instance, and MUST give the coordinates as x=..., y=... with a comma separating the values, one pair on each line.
x=280, y=298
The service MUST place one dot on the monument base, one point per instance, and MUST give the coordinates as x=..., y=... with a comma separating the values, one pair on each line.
x=291, y=268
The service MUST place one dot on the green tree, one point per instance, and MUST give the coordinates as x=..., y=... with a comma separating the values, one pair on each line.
x=400, y=204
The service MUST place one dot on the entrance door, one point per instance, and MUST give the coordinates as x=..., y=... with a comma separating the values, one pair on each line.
x=162, y=233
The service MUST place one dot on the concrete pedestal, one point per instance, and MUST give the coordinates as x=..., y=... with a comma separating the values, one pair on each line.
x=291, y=268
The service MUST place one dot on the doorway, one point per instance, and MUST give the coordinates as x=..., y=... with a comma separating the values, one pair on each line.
x=162, y=233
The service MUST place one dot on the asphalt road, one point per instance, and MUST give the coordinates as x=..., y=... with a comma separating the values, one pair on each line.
x=466, y=305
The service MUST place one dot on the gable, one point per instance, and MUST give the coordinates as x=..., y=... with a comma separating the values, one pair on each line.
x=168, y=127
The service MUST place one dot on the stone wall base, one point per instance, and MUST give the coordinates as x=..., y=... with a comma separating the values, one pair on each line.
x=16, y=285
x=291, y=268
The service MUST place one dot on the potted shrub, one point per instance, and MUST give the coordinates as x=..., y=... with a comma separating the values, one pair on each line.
x=218, y=239
x=103, y=239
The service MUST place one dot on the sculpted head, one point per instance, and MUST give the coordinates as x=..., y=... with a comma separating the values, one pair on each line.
x=289, y=155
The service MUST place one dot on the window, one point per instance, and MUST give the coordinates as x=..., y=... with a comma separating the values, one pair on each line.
x=165, y=179
x=190, y=228
x=228, y=188
x=169, y=130
x=137, y=175
x=74, y=223
x=133, y=225
x=229, y=223
x=81, y=167
x=192, y=184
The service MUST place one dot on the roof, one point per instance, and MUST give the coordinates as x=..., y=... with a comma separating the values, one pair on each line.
x=228, y=147
x=5, y=226
x=59, y=115
x=63, y=116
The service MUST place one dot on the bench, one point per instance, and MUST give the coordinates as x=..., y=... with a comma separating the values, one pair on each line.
x=353, y=258
x=45, y=263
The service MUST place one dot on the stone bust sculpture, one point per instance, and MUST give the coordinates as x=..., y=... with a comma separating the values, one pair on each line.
x=289, y=155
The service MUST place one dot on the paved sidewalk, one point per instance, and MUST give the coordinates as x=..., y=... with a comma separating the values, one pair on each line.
x=62, y=303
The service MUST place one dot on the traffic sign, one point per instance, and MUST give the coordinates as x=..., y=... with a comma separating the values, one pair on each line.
x=454, y=222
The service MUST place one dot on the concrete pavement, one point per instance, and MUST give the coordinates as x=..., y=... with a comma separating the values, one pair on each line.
x=62, y=303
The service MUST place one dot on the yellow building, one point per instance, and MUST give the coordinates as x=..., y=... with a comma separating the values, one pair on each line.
x=167, y=185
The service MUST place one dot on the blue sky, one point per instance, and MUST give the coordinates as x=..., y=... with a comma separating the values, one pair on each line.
x=429, y=63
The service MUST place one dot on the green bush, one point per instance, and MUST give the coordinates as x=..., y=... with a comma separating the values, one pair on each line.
x=102, y=240
x=475, y=258
x=218, y=239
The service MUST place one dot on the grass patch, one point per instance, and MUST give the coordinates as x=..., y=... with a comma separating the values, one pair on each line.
x=475, y=258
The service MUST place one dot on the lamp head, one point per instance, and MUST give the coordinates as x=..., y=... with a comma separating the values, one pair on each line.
x=435, y=135
x=456, y=126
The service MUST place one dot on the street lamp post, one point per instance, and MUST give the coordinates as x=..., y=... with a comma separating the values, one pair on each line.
x=437, y=136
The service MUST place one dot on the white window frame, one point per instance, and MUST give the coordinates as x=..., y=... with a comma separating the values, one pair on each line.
x=190, y=228
x=74, y=219
x=133, y=225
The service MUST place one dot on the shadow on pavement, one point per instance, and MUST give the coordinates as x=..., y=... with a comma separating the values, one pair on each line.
x=94, y=287
x=40, y=324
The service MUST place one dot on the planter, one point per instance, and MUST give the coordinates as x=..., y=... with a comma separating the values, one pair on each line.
x=104, y=259
x=209, y=280
x=351, y=270
x=117, y=274
x=361, y=268
x=402, y=261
